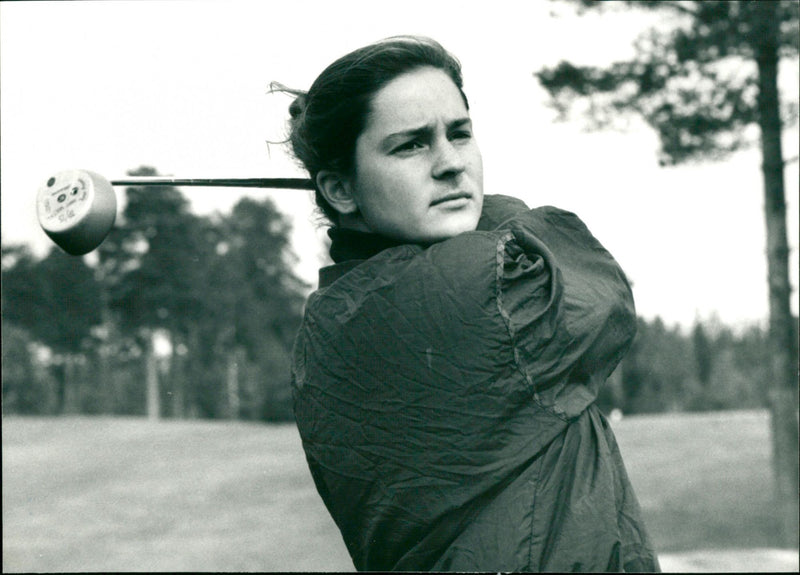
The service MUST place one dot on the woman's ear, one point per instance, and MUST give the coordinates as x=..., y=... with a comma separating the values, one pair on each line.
x=337, y=191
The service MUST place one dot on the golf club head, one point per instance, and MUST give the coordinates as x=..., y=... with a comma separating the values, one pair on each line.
x=77, y=209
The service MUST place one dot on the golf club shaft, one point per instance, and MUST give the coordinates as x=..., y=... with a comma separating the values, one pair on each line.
x=282, y=183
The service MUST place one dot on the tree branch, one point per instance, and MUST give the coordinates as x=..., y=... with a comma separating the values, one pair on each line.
x=677, y=5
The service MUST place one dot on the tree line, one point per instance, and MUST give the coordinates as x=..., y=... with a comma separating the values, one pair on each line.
x=711, y=366
x=179, y=316
x=187, y=316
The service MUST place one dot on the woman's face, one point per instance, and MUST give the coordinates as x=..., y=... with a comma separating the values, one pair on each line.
x=418, y=169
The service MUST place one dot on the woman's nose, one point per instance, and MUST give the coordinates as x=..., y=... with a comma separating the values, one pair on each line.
x=448, y=161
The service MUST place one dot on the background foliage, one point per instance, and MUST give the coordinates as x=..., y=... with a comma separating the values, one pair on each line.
x=218, y=293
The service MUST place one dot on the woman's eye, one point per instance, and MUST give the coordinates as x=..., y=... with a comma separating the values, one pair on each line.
x=408, y=146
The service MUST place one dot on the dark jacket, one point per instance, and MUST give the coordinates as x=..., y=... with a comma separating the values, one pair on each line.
x=444, y=396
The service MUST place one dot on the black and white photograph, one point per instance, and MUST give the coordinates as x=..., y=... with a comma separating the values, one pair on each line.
x=445, y=286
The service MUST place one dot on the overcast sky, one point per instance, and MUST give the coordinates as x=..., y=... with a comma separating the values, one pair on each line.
x=182, y=86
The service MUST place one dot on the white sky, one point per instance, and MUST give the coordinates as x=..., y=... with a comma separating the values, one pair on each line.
x=181, y=86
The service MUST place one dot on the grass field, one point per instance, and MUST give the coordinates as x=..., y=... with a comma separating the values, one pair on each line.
x=105, y=494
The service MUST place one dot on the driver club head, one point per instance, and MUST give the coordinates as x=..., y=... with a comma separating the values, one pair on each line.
x=77, y=209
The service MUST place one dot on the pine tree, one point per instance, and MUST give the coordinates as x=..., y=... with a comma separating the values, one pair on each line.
x=699, y=84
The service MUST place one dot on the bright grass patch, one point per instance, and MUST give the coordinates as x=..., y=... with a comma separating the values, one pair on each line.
x=125, y=494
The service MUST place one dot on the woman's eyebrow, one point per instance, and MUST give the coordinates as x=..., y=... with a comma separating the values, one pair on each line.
x=423, y=131
x=460, y=123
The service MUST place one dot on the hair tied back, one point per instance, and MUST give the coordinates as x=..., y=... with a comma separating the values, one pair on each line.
x=298, y=106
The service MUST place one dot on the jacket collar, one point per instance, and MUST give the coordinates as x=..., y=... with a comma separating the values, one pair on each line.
x=347, y=244
x=349, y=248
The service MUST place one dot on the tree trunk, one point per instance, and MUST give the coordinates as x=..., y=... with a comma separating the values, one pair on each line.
x=151, y=376
x=105, y=382
x=232, y=384
x=59, y=370
x=783, y=387
x=67, y=390
x=177, y=372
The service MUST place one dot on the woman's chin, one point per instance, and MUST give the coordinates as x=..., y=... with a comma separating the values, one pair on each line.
x=454, y=227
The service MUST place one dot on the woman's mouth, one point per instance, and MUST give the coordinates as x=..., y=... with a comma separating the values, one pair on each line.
x=455, y=196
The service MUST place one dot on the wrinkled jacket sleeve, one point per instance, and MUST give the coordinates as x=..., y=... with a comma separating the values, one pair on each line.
x=428, y=381
x=590, y=312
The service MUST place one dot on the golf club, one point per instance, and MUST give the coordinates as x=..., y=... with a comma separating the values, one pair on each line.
x=77, y=208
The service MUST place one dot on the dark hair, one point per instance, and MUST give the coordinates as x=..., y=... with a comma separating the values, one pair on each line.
x=327, y=120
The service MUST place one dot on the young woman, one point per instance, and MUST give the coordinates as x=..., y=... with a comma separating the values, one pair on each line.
x=446, y=369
